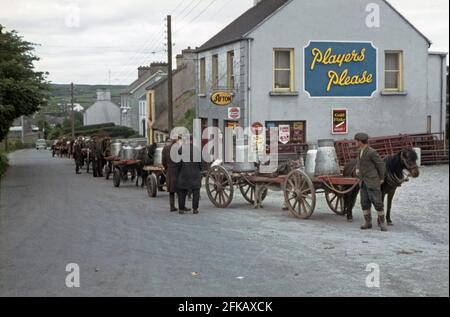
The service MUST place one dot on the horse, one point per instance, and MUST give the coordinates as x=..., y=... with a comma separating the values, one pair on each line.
x=396, y=165
x=146, y=155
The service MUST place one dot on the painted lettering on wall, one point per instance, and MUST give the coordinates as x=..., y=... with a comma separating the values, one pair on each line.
x=340, y=69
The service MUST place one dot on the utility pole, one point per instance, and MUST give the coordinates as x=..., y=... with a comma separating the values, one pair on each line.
x=73, y=112
x=169, y=75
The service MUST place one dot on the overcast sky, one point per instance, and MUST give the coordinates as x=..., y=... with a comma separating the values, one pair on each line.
x=109, y=39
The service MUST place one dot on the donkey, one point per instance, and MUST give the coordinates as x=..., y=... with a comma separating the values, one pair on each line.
x=394, y=178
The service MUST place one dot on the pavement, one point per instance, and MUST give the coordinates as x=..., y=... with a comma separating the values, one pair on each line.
x=127, y=244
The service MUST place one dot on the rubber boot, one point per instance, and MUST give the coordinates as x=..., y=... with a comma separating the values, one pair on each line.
x=382, y=221
x=368, y=219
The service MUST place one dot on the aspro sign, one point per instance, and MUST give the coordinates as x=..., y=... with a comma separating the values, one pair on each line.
x=340, y=69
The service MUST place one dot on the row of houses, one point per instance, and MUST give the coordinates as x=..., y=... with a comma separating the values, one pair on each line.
x=314, y=69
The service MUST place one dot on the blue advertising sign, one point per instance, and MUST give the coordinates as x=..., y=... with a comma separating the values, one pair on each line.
x=340, y=69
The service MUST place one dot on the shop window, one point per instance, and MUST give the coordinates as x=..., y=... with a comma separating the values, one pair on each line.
x=215, y=72
x=230, y=70
x=393, y=72
x=202, y=76
x=292, y=134
x=283, y=68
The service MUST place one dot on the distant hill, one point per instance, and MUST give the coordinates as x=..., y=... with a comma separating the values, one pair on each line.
x=86, y=95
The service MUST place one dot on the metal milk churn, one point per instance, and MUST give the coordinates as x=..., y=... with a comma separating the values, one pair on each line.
x=310, y=163
x=157, y=160
x=116, y=146
x=137, y=150
x=326, y=160
x=243, y=162
x=127, y=152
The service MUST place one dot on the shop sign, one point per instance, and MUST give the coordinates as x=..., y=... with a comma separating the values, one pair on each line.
x=257, y=128
x=221, y=98
x=340, y=69
x=234, y=113
x=340, y=121
x=284, y=133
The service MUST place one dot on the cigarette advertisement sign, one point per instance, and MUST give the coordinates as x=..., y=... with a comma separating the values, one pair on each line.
x=340, y=121
x=284, y=133
x=340, y=69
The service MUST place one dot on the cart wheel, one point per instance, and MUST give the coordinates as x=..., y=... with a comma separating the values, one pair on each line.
x=299, y=194
x=248, y=192
x=219, y=187
x=117, y=177
x=335, y=202
x=152, y=186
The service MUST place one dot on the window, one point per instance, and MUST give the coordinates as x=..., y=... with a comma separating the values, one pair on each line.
x=215, y=72
x=230, y=70
x=393, y=77
x=283, y=67
x=202, y=76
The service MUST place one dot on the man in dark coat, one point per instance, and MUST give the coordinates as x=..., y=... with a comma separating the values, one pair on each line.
x=171, y=169
x=78, y=154
x=370, y=169
x=189, y=180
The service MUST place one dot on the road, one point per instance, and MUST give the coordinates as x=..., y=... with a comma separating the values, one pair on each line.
x=127, y=244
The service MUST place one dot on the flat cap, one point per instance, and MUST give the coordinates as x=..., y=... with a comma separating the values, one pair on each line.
x=363, y=137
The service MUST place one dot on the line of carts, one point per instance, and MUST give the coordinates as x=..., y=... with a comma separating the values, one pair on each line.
x=320, y=174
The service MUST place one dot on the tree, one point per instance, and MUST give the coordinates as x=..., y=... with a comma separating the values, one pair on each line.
x=22, y=89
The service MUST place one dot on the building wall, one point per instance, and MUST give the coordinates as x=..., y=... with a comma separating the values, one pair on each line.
x=437, y=86
x=102, y=112
x=380, y=115
x=300, y=22
x=205, y=109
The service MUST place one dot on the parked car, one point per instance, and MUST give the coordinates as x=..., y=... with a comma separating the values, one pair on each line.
x=41, y=144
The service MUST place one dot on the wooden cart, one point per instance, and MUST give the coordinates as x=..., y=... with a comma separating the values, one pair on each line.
x=125, y=170
x=155, y=180
x=299, y=190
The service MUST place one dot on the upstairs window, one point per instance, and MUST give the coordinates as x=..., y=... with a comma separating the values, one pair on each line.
x=202, y=76
x=393, y=72
x=283, y=69
x=215, y=72
x=230, y=70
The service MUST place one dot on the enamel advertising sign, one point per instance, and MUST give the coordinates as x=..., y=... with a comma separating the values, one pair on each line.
x=340, y=69
x=340, y=121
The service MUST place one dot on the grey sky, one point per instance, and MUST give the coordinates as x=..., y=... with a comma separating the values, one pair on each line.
x=116, y=36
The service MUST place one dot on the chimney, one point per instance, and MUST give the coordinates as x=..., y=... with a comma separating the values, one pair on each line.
x=103, y=95
x=255, y=2
x=152, y=69
x=186, y=56
x=142, y=70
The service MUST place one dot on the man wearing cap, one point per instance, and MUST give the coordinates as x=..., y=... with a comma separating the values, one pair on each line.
x=171, y=169
x=370, y=169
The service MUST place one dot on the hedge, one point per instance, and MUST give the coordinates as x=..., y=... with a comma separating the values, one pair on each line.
x=3, y=163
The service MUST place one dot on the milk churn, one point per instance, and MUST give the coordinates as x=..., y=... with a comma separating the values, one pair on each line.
x=326, y=160
x=310, y=163
x=116, y=146
x=137, y=150
x=127, y=152
x=157, y=160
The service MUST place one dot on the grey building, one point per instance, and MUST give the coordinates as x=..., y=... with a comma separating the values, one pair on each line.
x=133, y=98
x=322, y=69
x=103, y=110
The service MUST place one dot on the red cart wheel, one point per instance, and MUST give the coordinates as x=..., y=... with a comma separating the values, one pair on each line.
x=299, y=194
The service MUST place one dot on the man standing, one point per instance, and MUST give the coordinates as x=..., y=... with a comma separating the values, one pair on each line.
x=171, y=169
x=189, y=180
x=78, y=154
x=371, y=169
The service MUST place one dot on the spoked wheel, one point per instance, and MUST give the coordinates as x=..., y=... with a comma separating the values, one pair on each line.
x=117, y=177
x=152, y=186
x=299, y=194
x=248, y=192
x=219, y=187
x=335, y=202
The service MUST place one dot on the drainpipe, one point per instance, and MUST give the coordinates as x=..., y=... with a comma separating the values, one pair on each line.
x=443, y=118
x=249, y=82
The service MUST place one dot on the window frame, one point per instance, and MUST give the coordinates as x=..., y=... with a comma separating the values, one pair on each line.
x=291, y=70
x=230, y=70
x=400, y=71
x=215, y=72
x=202, y=85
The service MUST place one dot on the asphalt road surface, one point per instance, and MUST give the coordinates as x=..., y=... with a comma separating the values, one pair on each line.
x=127, y=244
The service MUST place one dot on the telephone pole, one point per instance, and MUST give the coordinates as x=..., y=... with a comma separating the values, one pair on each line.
x=169, y=75
x=73, y=112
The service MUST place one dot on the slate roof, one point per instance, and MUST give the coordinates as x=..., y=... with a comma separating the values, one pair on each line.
x=235, y=31
x=248, y=21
